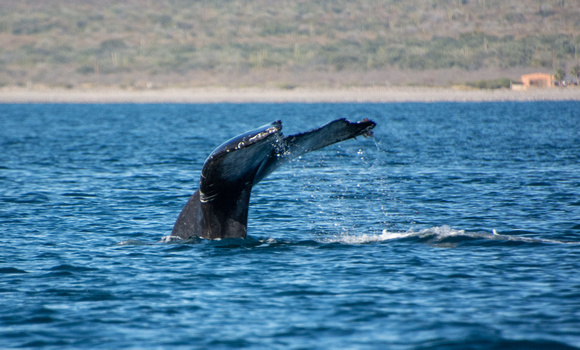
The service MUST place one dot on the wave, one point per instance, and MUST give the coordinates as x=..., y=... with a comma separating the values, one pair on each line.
x=439, y=235
x=443, y=236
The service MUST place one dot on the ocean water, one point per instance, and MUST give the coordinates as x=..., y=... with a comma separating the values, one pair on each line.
x=456, y=227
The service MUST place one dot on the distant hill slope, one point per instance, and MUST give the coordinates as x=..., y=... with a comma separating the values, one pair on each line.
x=282, y=42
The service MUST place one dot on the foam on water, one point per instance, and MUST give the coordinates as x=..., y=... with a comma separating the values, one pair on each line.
x=439, y=234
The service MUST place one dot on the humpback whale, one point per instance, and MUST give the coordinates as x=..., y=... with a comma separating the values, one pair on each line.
x=219, y=207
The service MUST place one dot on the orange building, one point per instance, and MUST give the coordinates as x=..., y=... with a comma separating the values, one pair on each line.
x=537, y=80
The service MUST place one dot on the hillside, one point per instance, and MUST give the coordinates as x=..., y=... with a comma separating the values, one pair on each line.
x=283, y=43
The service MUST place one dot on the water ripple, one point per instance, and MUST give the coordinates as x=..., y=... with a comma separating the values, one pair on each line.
x=454, y=228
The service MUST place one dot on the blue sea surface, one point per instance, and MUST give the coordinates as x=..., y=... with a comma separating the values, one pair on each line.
x=456, y=227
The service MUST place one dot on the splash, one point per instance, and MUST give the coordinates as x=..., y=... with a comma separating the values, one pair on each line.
x=439, y=235
x=348, y=238
x=435, y=232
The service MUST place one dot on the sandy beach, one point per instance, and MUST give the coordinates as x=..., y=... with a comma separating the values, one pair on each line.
x=268, y=95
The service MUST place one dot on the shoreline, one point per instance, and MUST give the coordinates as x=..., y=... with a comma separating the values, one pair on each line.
x=273, y=95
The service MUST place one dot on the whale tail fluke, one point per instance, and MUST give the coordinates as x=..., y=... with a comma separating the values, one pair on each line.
x=219, y=208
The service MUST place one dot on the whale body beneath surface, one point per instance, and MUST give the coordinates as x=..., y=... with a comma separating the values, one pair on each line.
x=219, y=208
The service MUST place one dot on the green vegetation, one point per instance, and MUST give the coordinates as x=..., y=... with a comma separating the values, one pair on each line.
x=501, y=83
x=285, y=43
x=559, y=76
x=575, y=72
